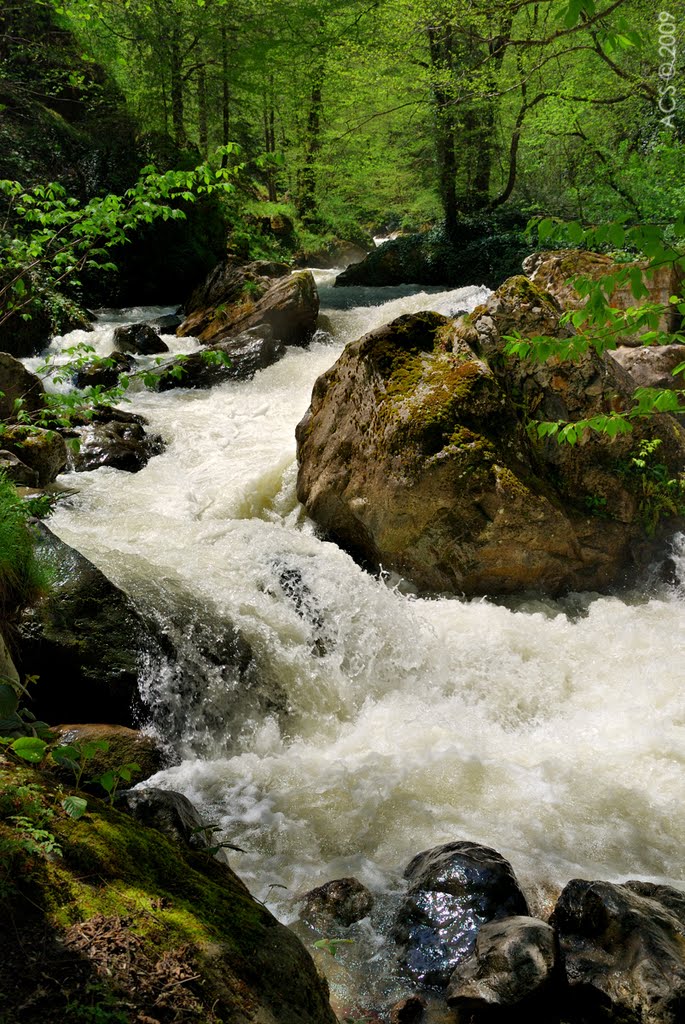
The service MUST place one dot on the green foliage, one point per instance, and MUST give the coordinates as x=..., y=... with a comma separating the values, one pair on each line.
x=22, y=576
x=75, y=756
x=49, y=236
x=110, y=779
x=332, y=946
x=660, y=494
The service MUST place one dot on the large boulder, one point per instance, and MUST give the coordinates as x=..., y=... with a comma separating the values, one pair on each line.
x=123, y=746
x=415, y=455
x=453, y=890
x=485, y=251
x=652, y=366
x=129, y=925
x=235, y=298
x=623, y=949
x=554, y=272
x=85, y=641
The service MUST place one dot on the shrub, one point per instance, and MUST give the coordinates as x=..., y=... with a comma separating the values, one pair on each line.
x=23, y=577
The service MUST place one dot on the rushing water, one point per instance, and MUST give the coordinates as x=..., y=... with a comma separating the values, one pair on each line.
x=552, y=731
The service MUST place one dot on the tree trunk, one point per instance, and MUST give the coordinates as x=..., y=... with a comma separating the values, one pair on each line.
x=225, y=96
x=177, y=112
x=306, y=199
x=202, y=109
x=439, y=42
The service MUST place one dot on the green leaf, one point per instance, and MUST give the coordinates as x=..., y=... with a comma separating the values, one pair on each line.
x=30, y=748
x=9, y=700
x=75, y=806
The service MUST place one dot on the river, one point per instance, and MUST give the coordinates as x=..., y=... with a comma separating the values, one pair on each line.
x=553, y=731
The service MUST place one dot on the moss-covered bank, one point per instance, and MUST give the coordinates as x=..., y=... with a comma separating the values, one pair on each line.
x=106, y=921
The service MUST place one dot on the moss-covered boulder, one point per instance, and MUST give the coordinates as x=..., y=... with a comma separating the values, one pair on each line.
x=43, y=451
x=105, y=919
x=235, y=298
x=415, y=456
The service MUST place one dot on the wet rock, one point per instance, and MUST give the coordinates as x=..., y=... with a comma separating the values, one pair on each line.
x=416, y=455
x=235, y=298
x=170, y=813
x=17, y=384
x=166, y=324
x=408, y=1011
x=17, y=471
x=125, y=746
x=623, y=950
x=342, y=901
x=140, y=339
x=85, y=641
x=514, y=966
x=253, y=350
x=120, y=442
x=453, y=890
x=43, y=451
x=93, y=374
x=552, y=271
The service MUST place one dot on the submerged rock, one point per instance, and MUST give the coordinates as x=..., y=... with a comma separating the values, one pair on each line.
x=415, y=455
x=623, y=950
x=235, y=298
x=342, y=901
x=514, y=966
x=453, y=890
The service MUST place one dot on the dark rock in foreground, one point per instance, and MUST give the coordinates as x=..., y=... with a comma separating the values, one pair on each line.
x=623, y=949
x=514, y=966
x=116, y=439
x=453, y=890
x=84, y=641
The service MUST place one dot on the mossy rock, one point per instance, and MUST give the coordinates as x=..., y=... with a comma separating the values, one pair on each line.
x=121, y=921
x=419, y=454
